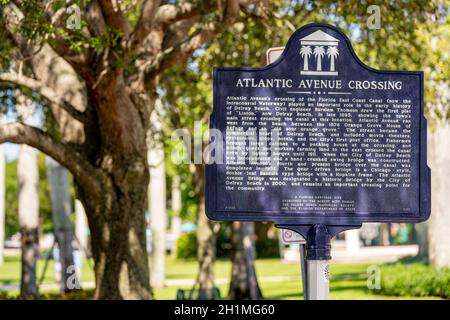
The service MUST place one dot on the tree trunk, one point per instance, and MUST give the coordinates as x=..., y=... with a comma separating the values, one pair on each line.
x=58, y=179
x=206, y=251
x=116, y=212
x=244, y=283
x=81, y=237
x=157, y=204
x=352, y=241
x=422, y=240
x=262, y=230
x=176, y=209
x=117, y=224
x=28, y=201
x=2, y=201
x=439, y=223
x=116, y=215
x=206, y=238
x=384, y=234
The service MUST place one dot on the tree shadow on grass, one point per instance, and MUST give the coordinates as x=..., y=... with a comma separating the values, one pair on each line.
x=287, y=295
x=348, y=287
x=349, y=276
x=181, y=276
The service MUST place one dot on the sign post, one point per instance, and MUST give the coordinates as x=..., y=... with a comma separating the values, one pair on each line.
x=318, y=143
x=318, y=257
x=291, y=237
x=304, y=270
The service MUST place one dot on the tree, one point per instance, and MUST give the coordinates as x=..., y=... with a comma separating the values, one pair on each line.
x=438, y=235
x=99, y=83
x=12, y=225
x=28, y=176
x=157, y=202
x=437, y=68
x=244, y=283
x=206, y=239
x=80, y=236
x=2, y=201
x=176, y=205
x=58, y=178
x=385, y=234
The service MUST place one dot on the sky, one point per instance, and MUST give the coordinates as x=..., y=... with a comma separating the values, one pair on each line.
x=11, y=149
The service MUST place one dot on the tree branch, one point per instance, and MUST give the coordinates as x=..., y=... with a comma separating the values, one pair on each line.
x=114, y=17
x=181, y=51
x=82, y=170
x=168, y=14
x=78, y=60
x=144, y=23
x=178, y=31
x=164, y=17
x=96, y=22
x=13, y=22
x=46, y=92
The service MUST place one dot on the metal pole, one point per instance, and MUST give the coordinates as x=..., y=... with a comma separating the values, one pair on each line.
x=318, y=248
x=318, y=280
x=304, y=269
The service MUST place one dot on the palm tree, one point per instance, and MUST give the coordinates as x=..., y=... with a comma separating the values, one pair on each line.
x=157, y=202
x=2, y=199
x=59, y=185
x=305, y=52
x=28, y=202
x=332, y=53
x=319, y=52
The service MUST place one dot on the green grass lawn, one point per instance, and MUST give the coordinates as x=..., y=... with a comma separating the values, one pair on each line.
x=347, y=281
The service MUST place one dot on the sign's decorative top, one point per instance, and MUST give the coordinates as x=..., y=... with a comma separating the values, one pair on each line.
x=317, y=137
x=322, y=44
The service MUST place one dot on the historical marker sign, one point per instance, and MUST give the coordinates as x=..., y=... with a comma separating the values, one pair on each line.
x=318, y=137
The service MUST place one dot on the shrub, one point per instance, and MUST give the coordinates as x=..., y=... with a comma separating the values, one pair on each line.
x=187, y=246
x=267, y=248
x=415, y=279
